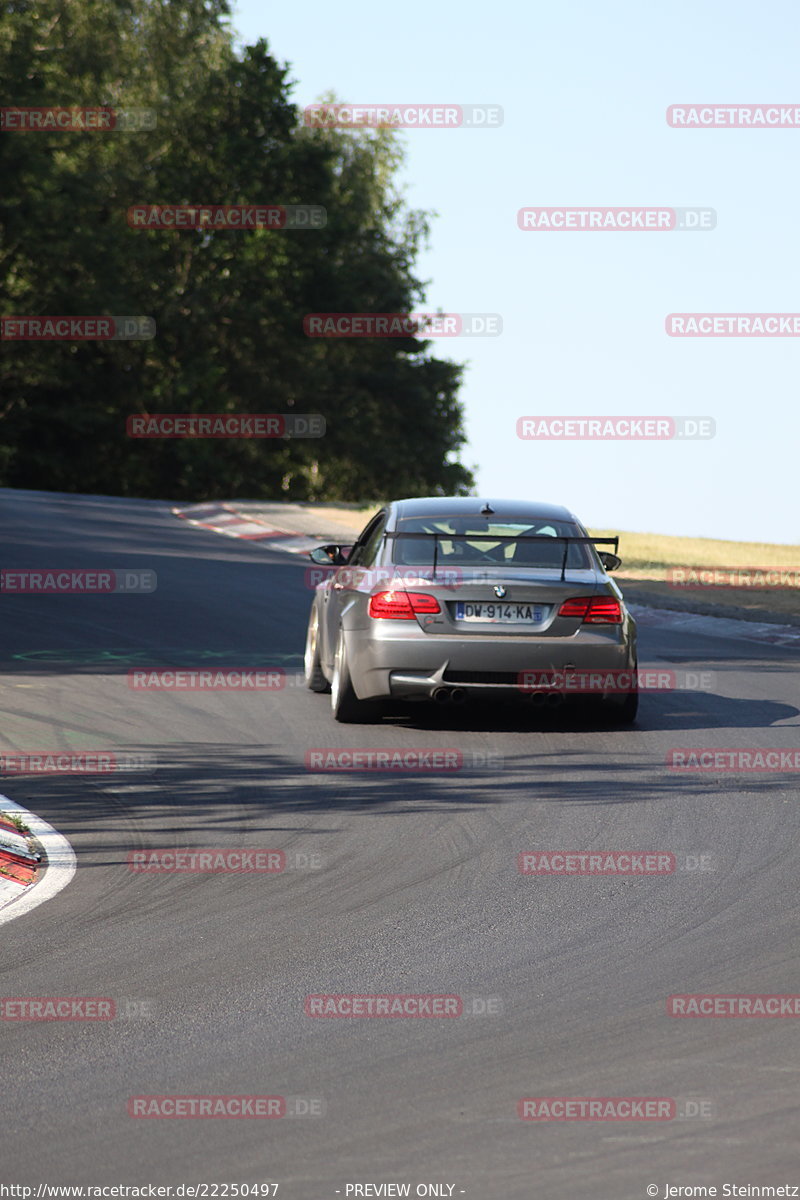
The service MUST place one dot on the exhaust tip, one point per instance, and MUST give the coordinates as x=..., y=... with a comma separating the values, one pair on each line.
x=441, y=695
x=537, y=698
x=458, y=695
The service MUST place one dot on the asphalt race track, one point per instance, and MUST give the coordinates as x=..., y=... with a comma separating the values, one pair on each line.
x=563, y=980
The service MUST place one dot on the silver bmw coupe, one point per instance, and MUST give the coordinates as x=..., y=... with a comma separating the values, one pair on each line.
x=452, y=597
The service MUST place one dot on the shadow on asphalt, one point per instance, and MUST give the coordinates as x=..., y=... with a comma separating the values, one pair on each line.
x=240, y=791
x=674, y=711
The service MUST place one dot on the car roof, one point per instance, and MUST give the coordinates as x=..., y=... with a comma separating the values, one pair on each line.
x=468, y=506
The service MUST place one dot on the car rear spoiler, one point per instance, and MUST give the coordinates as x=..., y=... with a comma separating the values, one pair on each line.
x=495, y=537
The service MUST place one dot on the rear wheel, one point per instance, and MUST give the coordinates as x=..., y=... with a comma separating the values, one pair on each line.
x=345, y=704
x=312, y=670
x=621, y=710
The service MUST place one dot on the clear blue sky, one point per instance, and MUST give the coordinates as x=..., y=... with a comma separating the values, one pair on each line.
x=584, y=86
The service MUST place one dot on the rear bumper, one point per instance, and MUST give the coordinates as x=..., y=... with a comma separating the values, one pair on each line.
x=410, y=664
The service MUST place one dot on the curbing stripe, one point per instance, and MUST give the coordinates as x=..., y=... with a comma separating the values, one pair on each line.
x=224, y=519
x=61, y=864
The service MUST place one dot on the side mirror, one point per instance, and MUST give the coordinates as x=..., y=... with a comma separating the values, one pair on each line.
x=610, y=561
x=330, y=556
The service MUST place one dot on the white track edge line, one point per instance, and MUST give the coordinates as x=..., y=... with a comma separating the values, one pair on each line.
x=61, y=863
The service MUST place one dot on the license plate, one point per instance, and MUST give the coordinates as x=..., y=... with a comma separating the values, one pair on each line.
x=499, y=614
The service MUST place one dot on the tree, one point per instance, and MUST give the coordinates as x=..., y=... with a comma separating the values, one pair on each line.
x=228, y=305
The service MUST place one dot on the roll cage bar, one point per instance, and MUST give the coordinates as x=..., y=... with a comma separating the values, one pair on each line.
x=496, y=537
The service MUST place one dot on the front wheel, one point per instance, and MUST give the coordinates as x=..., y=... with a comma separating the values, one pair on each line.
x=345, y=704
x=312, y=669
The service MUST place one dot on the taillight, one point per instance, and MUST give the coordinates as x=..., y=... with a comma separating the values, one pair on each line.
x=402, y=606
x=574, y=608
x=421, y=602
x=603, y=610
x=593, y=610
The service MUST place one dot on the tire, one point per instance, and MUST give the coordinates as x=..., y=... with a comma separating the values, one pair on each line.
x=621, y=711
x=345, y=704
x=312, y=669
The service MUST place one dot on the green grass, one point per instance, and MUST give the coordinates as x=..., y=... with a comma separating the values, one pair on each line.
x=17, y=821
x=655, y=552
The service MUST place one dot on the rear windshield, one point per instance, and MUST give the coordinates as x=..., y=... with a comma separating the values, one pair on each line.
x=457, y=544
